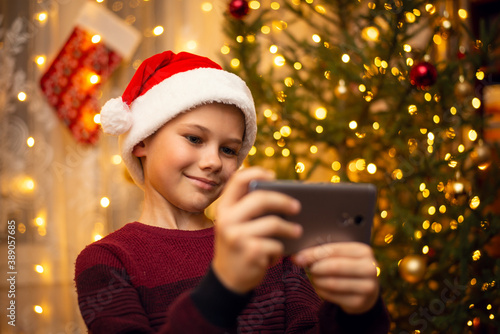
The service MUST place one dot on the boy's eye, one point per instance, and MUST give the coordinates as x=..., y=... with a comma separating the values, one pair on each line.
x=229, y=151
x=193, y=139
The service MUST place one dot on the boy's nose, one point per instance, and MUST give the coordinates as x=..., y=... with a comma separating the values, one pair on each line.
x=210, y=159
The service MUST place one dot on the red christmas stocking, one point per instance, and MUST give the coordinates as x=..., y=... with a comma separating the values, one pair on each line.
x=95, y=48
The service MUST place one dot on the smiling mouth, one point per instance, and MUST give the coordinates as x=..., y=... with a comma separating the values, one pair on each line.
x=203, y=183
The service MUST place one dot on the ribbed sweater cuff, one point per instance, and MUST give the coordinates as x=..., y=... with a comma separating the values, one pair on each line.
x=219, y=305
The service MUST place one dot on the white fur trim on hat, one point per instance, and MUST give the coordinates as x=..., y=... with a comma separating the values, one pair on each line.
x=179, y=93
x=116, y=118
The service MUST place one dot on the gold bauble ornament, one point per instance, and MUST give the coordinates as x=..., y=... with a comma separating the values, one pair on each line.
x=413, y=268
x=457, y=190
x=481, y=155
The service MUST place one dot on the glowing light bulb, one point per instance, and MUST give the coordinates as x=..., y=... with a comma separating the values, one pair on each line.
x=39, y=221
x=265, y=30
x=480, y=75
x=40, y=60
x=286, y=131
x=96, y=39
x=30, y=141
x=370, y=33
x=269, y=151
x=300, y=167
x=235, y=62
x=206, y=6
x=116, y=159
x=476, y=103
x=472, y=135
x=21, y=96
x=320, y=113
x=254, y=5
x=94, y=79
x=42, y=16
x=225, y=50
x=192, y=45
x=371, y=168
x=158, y=30
x=39, y=269
x=38, y=309
x=279, y=60
x=105, y=202
x=27, y=184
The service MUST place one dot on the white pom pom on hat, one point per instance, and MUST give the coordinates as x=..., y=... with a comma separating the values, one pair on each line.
x=115, y=117
x=164, y=86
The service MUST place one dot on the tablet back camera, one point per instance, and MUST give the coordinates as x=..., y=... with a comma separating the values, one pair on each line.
x=359, y=219
x=348, y=220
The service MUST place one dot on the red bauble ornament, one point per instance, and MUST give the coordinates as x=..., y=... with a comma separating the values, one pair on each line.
x=423, y=75
x=238, y=8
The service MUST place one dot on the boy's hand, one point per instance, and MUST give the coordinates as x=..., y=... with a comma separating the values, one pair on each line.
x=343, y=273
x=244, y=231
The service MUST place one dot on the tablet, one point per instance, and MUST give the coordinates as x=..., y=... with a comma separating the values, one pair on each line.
x=331, y=212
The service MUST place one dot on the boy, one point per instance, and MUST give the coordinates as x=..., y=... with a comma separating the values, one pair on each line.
x=185, y=126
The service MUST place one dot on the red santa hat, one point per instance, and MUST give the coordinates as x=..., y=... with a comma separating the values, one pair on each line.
x=164, y=86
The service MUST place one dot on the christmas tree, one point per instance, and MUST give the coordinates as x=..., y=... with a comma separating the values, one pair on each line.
x=391, y=93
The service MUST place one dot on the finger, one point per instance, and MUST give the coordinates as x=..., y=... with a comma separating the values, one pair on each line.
x=262, y=252
x=350, y=303
x=310, y=255
x=237, y=185
x=271, y=226
x=345, y=267
x=261, y=202
x=238, y=236
x=341, y=285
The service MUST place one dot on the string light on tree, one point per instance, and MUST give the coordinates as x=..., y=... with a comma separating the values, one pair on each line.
x=370, y=33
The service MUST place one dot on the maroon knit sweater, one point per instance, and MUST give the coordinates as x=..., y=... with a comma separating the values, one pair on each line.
x=146, y=279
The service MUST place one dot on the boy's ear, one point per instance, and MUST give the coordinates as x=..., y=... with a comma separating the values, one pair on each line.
x=139, y=150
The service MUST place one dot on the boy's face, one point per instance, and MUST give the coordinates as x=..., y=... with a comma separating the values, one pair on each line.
x=189, y=160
